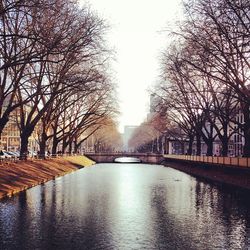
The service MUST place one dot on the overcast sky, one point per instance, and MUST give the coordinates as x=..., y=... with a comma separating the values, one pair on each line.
x=137, y=34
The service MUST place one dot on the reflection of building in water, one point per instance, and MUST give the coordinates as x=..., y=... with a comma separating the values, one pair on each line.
x=128, y=133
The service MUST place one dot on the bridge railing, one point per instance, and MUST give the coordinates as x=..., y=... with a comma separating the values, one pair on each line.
x=122, y=153
x=228, y=161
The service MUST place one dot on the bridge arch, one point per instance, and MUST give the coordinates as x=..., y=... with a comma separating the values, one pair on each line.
x=110, y=157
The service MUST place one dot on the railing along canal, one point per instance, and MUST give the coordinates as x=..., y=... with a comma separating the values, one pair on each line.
x=227, y=161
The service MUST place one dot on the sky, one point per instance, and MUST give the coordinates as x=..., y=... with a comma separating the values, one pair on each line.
x=138, y=35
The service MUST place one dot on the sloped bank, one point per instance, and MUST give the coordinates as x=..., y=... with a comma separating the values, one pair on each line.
x=235, y=177
x=16, y=177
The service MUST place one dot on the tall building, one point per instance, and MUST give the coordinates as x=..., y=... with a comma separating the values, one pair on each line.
x=154, y=106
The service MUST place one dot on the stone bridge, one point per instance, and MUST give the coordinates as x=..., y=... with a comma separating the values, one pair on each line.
x=110, y=157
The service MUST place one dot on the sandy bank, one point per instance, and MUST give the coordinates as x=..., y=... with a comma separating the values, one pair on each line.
x=15, y=177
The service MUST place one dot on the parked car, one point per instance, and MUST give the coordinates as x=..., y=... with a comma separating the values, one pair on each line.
x=12, y=154
x=5, y=155
x=17, y=153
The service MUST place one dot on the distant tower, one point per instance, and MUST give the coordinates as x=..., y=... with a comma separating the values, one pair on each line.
x=154, y=106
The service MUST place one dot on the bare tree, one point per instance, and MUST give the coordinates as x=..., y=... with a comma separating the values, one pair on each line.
x=83, y=116
x=19, y=42
x=107, y=138
x=73, y=36
x=206, y=72
x=219, y=34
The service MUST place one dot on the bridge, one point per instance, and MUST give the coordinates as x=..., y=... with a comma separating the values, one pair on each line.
x=110, y=157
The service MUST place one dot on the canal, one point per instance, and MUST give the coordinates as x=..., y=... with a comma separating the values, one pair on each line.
x=126, y=206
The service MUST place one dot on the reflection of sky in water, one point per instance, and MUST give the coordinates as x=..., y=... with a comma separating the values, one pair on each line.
x=123, y=206
x=127, y=160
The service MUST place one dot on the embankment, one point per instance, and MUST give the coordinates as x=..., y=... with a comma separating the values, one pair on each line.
x=238, y=177
x=16, y=177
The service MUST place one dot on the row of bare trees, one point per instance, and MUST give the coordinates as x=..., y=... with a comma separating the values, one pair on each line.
x=108, y=138
x=148, y=137
x=205, y=87
x=53, y=71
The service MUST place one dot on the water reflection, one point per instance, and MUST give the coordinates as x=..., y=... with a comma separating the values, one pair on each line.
x=114, y=206
x=127, y=160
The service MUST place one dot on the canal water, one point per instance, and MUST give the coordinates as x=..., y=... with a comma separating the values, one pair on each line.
x=126, y=206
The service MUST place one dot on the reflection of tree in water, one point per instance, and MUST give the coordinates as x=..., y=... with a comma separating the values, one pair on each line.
x=183, y=214
x=51, y=218
x=215, y=218
x=168, y=233
x=25, y=220
x=22, y=215
x=97, y=228
x=37, y=219
x=85, y=216
x=224, y=213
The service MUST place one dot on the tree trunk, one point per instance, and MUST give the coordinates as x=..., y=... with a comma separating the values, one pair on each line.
x=162, y=144
x=209, y=143
x=152, y=146
x=224, y=150
x=182, y=147
x=190, y=145
x=54, y=146
x=3, y=121
x=55, y=141
x=224, y=140
x=166, y=145
x=96, y=147
x=24, y=145
x=70, y=146
x=198, y=144
x=64, y=145
x=42, y=145
x=157, y=144
x=77, y=146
